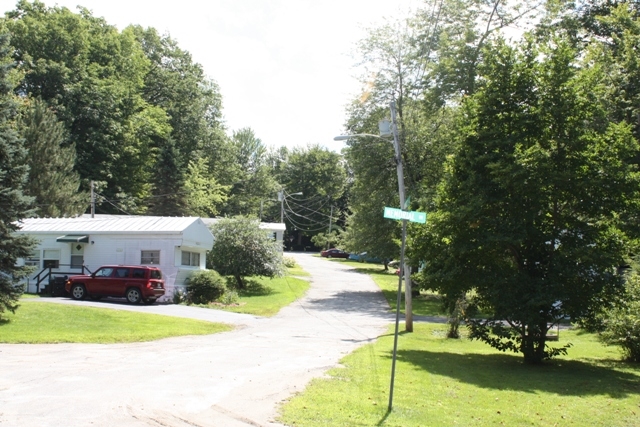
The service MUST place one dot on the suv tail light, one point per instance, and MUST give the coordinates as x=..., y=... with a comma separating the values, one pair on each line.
x=154, y=284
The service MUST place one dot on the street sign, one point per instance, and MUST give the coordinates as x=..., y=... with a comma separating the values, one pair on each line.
x=399, y=214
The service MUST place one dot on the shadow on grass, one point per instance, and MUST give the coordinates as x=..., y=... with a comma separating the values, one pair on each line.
x=508, y=372
x=254, y=288
x=372, y=270
x=423, y=304
x=384, y=419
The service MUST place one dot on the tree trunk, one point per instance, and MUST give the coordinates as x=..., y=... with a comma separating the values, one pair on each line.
x=534, y=343
x=239, y=281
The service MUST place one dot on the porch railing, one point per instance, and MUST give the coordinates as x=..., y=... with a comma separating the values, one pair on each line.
x=56, y=276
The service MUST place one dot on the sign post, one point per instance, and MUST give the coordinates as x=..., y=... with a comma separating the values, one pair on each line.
x=404, y=216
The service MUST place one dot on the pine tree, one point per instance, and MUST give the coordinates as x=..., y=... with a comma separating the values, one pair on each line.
x=169, y=195
x=52, y=181
x=14, y=205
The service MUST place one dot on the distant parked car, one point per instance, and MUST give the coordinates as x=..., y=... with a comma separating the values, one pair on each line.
x=363, y=257
x=134, y=282
x=334, y=253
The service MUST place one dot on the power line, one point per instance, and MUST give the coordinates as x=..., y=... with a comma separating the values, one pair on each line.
x=113, y=204
x=303, y=227
x=312, y=211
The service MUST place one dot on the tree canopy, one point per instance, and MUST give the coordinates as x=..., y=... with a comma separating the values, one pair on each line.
x=523, y=153
x=529, y=213
x=14, y=204
x=241, y=248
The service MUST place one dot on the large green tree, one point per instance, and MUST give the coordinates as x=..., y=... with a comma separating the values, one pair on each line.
x=92, y=75
x=204, y=194
x=241, y=248
x=193, y=107
x=426, y=64
x=169, y=195
x=530, y=214
x=320, y=175
x=255, y=183
x=52, y=180
x=14, y=204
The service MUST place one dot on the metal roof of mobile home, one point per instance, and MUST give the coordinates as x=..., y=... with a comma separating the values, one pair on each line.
x=108, y=224
x=265, y=225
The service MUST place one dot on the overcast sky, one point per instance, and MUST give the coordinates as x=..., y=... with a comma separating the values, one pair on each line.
x=284, y=66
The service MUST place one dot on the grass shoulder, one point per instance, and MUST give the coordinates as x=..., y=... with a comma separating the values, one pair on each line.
x=266, y=296
x=43, y=322
x=442, y=381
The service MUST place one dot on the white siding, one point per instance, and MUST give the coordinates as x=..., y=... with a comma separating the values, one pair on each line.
x=109, y=246
x=195, y=236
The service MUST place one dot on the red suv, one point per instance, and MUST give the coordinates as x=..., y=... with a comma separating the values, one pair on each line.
x=134, y=282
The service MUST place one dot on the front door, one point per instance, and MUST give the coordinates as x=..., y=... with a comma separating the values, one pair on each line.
x=77, y=256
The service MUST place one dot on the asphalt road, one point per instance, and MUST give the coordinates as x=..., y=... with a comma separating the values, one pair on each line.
x=236, y=378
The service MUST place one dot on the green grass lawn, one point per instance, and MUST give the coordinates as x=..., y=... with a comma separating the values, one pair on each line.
x=265, y=297
x=42, y=322
x=443, y=382
x=297, y=271
x=425, y=304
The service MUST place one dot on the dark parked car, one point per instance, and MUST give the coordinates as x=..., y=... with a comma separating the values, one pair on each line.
x=334, y=253
x=134, y=282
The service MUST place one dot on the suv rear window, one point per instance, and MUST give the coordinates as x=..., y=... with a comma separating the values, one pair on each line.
x=155, y=274
x=138, y=273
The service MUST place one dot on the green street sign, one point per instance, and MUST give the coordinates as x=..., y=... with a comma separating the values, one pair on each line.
x=399, y=214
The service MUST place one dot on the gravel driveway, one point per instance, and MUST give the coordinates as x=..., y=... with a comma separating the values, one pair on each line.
x=230, y=379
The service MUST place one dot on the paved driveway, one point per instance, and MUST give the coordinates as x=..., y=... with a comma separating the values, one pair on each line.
x=231, y=379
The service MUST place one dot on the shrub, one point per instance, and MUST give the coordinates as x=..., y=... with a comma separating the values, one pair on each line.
x=229, y=297
x=622, y=322
x=204, y=286
x=289, y=262
x=178, y=296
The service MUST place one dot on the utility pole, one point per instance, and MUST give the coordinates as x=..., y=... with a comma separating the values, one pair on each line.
x=93, y=201
x=408, y=306
x=281, y=198
x=388, y=129
x=408, y=315
x=329, y=233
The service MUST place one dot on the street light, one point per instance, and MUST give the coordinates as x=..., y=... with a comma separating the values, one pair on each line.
x=391, y=129
x=346, y=137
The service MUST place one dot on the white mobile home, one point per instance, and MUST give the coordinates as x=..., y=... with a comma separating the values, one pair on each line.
x=178, y=245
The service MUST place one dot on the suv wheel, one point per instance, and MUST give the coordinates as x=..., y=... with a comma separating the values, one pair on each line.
x=78, y=292
x=133, y=295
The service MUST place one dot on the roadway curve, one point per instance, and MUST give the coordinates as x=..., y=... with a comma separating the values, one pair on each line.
x=230, y=379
